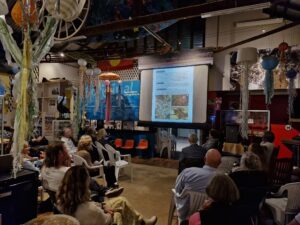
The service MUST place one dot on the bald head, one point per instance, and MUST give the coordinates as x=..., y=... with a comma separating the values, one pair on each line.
x=213, y=158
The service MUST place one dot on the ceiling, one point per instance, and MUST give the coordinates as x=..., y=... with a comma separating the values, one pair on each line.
x=128, y=28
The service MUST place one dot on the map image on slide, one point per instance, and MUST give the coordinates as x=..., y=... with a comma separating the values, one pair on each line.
x=180, y=100
x=179, y=113
x=162, y=106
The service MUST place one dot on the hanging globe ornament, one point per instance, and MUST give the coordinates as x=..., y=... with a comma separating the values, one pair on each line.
x=82, y=62
x=269, y=63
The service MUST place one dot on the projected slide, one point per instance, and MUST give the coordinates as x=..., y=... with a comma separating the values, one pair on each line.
x=172, y=96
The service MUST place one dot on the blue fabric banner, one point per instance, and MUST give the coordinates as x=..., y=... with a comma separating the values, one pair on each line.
x=125, y=100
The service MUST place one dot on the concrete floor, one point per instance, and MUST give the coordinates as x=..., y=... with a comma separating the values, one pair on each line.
x=150, y=191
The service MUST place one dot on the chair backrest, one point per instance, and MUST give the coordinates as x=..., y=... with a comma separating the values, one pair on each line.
x=118, y=142
x=54, y=220
x=281, y=172
x=78, y=160
x=143, y=143
x=195, y=201
x=111, y=153
x=253, y=186
x=129, y=143
x=293, y=193
x=100, y=152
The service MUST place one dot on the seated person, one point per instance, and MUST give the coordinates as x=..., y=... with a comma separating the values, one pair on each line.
x=268, y=141
x=84, y=150
x=94, y=153
x=191, y=156
x=196, y=179
x=218, y=209
x=28, y=162
x=212, y=141
x=68, y=141
x=74, y=199
x=249, y=161
x=38, y=140
x=260, y=151
x=57, y=162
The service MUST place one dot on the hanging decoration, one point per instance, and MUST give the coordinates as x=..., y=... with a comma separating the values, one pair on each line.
x=3, y=7
x=269, y=63
x=107, y=77
x=81, y=98
x=291, y=75
x=282, y=48
x=97, y=87
x=68, y=10
x=246, y=57
x=19, y=15
x=27, y=17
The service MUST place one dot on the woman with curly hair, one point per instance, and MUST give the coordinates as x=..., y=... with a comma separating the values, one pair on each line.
x=73, y=198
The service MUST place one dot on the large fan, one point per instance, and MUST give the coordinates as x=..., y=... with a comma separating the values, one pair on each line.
x=72, y=15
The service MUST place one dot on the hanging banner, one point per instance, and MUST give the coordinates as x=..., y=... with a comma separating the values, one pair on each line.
x=125, y=100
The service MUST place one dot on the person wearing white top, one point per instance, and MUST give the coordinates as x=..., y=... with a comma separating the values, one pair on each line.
x=68, y=142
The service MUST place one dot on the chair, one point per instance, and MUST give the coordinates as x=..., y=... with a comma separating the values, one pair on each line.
x=54, y=220
x=129, y=145
x=142, y=146
x=78, y=160
x=115, y=158
x=253, y=186
x=284, y=208
x=195, y=199
x=118, y=142
x=281, y=172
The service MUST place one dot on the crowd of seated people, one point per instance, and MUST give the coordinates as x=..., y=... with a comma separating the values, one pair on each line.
x=247, y=185
x=73, y=199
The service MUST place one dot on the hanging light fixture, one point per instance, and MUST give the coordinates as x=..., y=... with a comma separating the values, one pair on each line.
x=246, y=57
x=107, y=77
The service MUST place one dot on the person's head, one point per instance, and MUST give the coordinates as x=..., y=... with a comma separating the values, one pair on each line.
x=250, y=161
x=213, y=158
x=26, y=148
x=74, y=189
x=90, y=131
x=101, y=134
x=223, y=189
x=268, y=136
x=55, y=155
x=67, y=132
x=214, y=134
x=85, y=143
x=193, y=139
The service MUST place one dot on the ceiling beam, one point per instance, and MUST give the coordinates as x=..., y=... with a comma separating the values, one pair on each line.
x=274, y=31
x=176, y=14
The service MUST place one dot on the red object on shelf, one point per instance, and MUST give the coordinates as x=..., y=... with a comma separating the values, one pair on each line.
x=129, y=144
x=143, y=145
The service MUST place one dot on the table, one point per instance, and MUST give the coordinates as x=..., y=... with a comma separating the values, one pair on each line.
x=296, y=143
x=233, y=148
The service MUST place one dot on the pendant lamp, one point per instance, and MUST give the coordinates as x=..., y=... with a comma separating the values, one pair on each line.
x=246, y=57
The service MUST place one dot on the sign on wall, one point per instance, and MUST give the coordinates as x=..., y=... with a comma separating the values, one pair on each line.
x=125, y=99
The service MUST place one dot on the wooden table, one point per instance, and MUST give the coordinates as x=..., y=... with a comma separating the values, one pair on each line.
x=289, y=142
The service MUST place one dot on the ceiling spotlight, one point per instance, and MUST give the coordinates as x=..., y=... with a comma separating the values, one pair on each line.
x=264, y=31
x=62, y=54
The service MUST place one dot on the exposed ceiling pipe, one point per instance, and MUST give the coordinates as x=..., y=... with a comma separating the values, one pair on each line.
x=158, y=38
